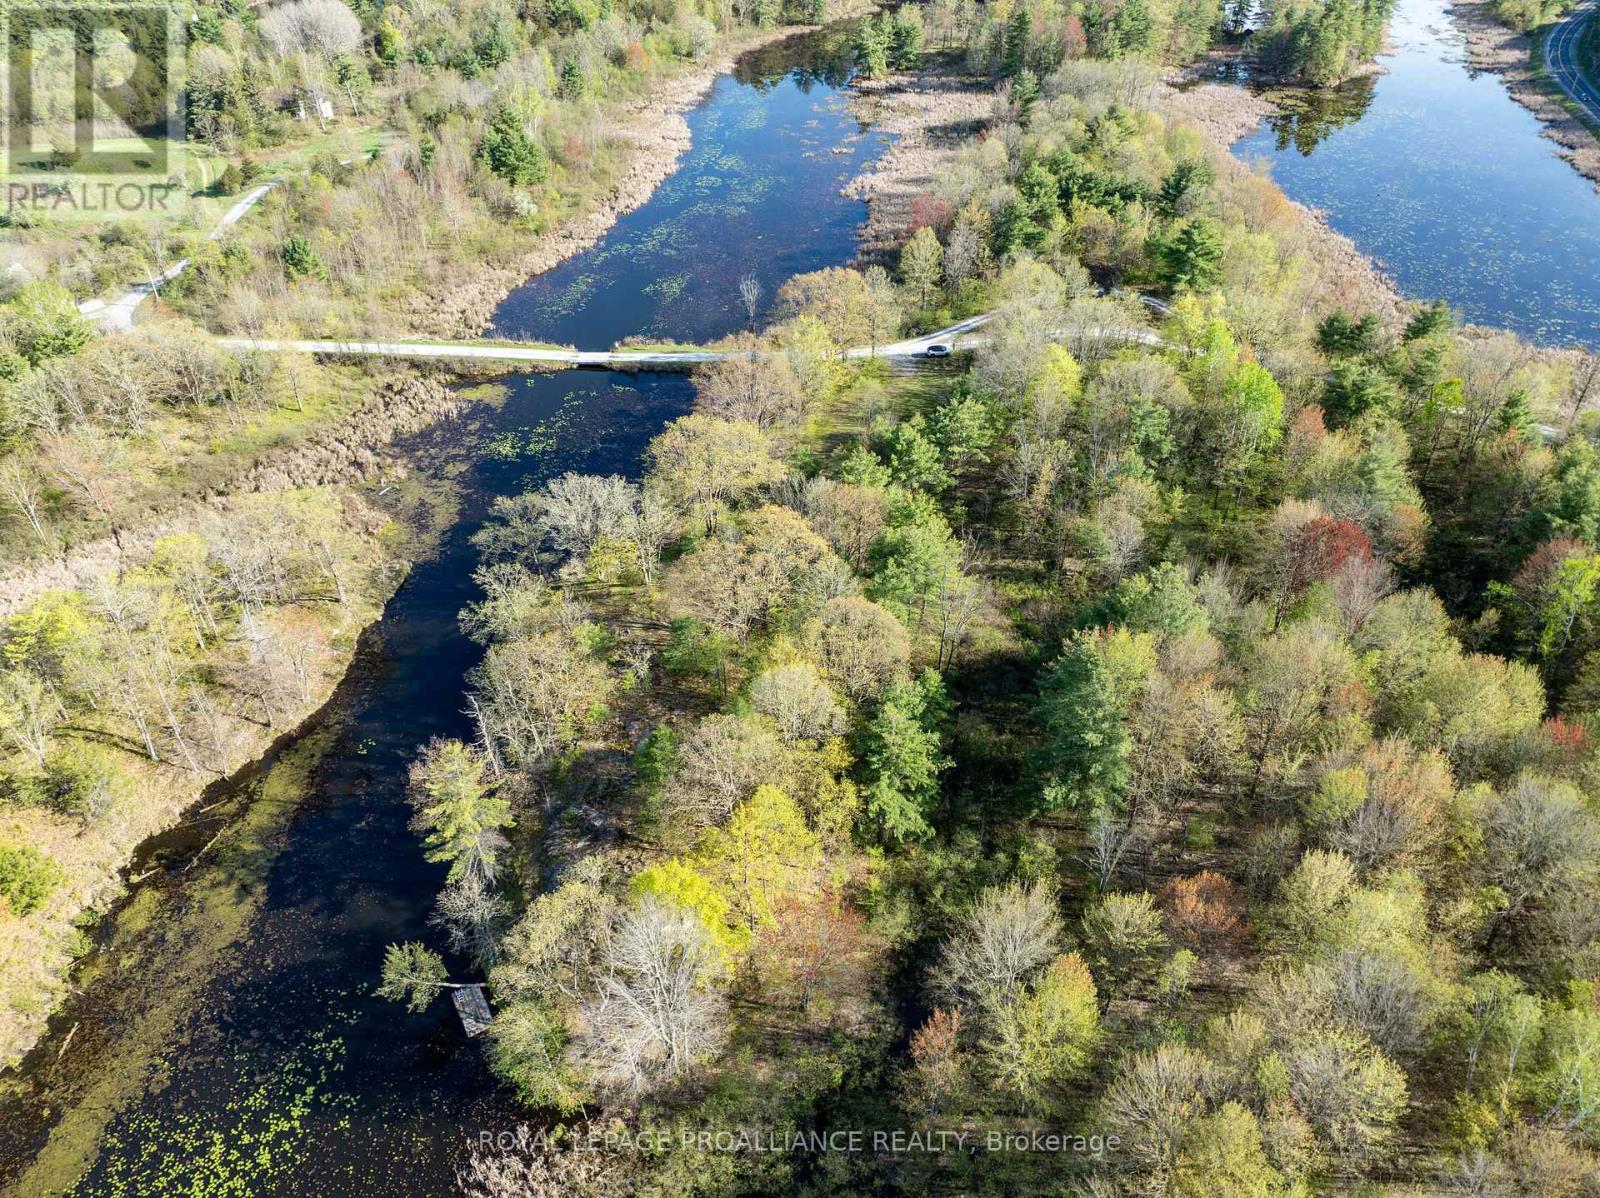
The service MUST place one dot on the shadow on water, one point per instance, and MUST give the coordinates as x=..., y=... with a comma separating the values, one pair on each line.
x=227, y=1040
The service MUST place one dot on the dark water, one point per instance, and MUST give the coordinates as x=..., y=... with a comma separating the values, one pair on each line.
x=757, y=194
x=1445, y=181
x=289, y=1077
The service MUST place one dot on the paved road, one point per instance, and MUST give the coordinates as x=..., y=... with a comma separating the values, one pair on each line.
x=1561, y=55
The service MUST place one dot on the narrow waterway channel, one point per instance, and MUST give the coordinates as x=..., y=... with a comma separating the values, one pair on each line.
x=1446, y=182
x=226, y=1040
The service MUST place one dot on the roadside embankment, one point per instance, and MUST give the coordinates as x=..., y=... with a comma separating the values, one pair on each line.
x=1492, y=47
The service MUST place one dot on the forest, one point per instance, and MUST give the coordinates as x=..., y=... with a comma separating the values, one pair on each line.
x=185, y=564
x=1168, y=734
x=1181, y=745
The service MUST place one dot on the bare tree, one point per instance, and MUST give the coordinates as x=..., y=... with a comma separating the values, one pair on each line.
x=266, y=672
x=1350, y=1093
x=144, y=676
x=1153, y=1102
x=880, y=306
x=861, y=645
x=1007, y=935
x=84, y=463
x=29, y=712
x=1582, y=385
x=651, y=527
x=750, y=385
x=1385, y=995
x=325, y=27
x=799, y=702
x=958, y=598
x=472, y=916
x=656, y=1015
x=533, y=692
x=750, y=296
x=1357, y=587
x=720, y=763
x=963, y=254
x=541, y=1164
x=22, y=493
x=576, y=510
x=1110, y=840
x=1541, y=842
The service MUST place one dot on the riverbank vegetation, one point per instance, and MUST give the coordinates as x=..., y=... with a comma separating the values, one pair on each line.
x=1174, y=737
x=198, y=495
x=416, y=146
x=187, y=568
x=1527, y=15
x=1322, y=43
x=1317, y=42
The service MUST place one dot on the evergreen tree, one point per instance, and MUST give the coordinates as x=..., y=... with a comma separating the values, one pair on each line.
x=1019, y=32
x=461, y=817
x=510, y=153
x=871, y=49
x=1193, y=258
x=902, y=757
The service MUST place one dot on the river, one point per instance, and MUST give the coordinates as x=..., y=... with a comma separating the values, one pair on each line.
x=1446, y=182
x=226, y=1040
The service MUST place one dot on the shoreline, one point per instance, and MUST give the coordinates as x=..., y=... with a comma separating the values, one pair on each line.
x=1225, y=112
x=931, y=113
x=658, y=128
x=1495, y=49
x=348, y=455
x=922, y=108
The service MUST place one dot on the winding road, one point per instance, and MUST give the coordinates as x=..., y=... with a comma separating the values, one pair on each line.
x=118, y=313
x=1561, y=55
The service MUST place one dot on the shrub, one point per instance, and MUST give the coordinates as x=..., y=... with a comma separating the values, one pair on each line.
x=299, y=259
x=78, y=780
x=27, y=877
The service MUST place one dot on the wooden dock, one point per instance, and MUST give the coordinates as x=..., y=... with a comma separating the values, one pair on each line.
x=473, y=1008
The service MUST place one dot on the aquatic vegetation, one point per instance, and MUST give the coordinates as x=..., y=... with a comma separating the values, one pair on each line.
x=238, y=1151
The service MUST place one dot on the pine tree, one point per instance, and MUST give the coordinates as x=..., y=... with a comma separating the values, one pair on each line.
x=510, y=153
x=461, y=818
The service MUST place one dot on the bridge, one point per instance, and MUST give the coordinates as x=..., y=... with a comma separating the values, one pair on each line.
x=957, y=337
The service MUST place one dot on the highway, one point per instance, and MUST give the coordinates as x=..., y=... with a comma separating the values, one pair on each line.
x=1561, y=56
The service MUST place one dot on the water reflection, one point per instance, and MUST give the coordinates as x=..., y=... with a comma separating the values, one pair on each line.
x=1447, y=183
x=828, y=59
x=1307, y=118
x=758, y=194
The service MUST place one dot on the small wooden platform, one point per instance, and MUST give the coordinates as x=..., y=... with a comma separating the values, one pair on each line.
x=473, y=1008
